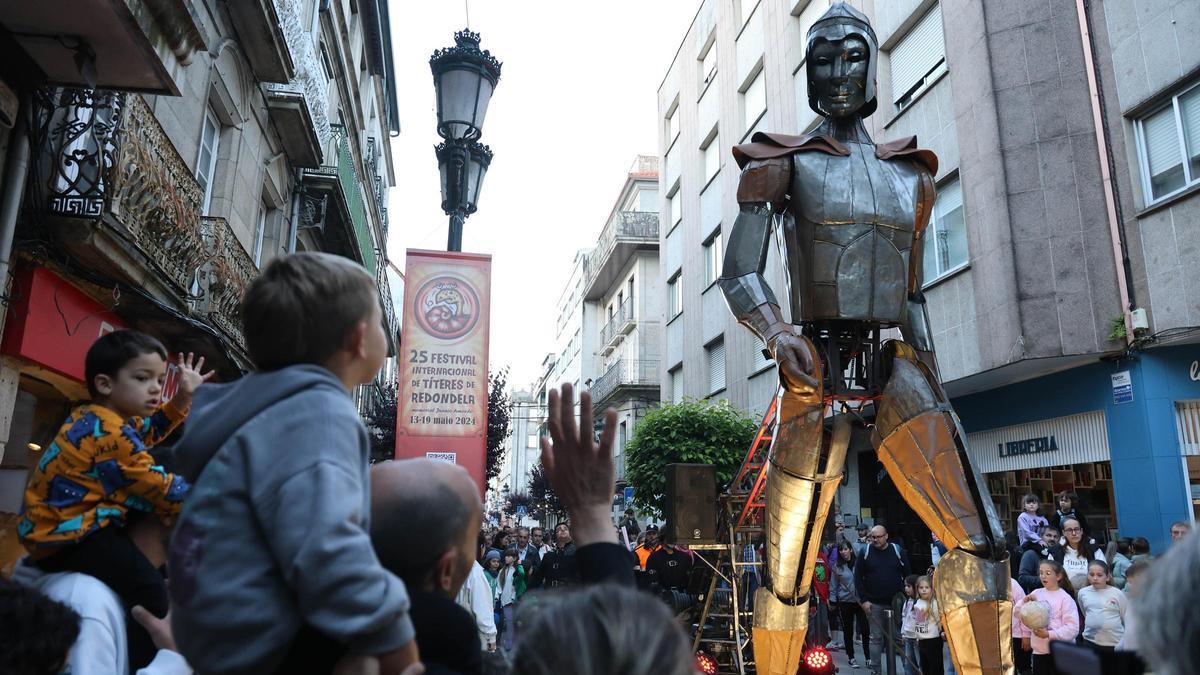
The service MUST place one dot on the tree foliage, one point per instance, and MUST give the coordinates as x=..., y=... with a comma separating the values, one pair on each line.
x=498, y=429
x=541, y=494
x=694, y=432
x=380, y=419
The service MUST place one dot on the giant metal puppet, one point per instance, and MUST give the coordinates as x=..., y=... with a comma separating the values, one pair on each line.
x=851, y=215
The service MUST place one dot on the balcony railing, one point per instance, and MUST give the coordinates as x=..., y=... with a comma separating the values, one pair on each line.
x=352, y=188
x=373, y=154
x=625, y=373
x=155, y=198
x=626, y=232
x=621, y=322
x=227, y=276
x=389, y=303
x=138, y=187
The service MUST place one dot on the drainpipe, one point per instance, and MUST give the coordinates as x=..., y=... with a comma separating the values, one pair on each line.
x=1112, y=206
x=16, y=170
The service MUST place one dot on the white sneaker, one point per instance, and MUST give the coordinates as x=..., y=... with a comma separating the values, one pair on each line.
x=853, y=663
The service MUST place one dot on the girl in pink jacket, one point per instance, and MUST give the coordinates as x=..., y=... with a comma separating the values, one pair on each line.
x=1056, y=592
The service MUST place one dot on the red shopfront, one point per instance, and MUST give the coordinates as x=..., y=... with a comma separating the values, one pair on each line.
x=48, y=330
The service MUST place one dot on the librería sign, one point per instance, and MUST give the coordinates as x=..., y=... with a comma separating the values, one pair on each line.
x=1028, y=446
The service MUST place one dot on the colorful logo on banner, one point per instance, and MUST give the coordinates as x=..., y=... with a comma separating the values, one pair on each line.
x=442, y=412
x=447, y=307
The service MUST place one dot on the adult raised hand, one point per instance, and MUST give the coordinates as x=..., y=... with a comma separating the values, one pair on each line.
x=579, y=469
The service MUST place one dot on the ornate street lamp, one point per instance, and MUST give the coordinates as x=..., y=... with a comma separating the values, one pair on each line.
x=462, y=165
x=464, y=77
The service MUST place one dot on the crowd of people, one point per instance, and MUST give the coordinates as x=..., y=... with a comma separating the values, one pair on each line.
x=285, y=550
x=257, y=538
x=1082, y=591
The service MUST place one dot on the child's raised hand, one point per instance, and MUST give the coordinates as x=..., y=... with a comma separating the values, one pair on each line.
x=190, y=376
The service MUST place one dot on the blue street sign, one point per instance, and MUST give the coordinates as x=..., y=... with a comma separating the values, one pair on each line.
x=628, y=494
x=521, y=511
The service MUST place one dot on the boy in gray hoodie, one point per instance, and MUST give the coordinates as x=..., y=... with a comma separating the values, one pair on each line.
x=271, y=565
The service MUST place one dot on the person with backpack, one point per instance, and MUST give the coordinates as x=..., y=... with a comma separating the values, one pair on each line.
x=878, y=576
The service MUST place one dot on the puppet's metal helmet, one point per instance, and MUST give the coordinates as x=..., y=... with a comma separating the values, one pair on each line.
x=840, y=22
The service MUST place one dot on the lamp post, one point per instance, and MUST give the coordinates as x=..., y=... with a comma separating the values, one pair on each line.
x=464, y=77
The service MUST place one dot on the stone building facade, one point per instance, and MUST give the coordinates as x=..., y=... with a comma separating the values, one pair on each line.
x=267, y=131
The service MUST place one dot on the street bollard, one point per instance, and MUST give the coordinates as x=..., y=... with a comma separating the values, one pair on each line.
x=889, y=636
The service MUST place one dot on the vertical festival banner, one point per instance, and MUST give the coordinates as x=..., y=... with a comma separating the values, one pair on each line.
x=442, y=413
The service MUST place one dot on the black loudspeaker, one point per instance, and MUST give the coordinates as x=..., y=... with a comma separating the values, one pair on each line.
x=691, y=512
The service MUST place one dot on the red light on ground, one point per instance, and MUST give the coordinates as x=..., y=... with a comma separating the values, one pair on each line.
x=706, y=664
x=817, y=660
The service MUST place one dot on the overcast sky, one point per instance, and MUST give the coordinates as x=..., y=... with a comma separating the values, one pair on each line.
x=577, y=101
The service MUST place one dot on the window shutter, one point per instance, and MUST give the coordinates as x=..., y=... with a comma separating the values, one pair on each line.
x=755, y=99
x=712, y=158
x=716, y=366
x=949, y=197
x=677, y=385
x=760, y=360
x=1162, y=141
x=917, y=53
x=1187, y=419
x=1189, y=110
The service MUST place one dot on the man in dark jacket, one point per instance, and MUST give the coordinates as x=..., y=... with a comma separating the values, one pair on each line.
x=558, y=567
x=1027, y=575
x=878, y=576
x=632, y=529
x=527, y=553
x=672, y=568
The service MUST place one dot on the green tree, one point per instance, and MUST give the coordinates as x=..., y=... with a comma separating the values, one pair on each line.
x=498, y=428
x=692, y=432
x=541, y=494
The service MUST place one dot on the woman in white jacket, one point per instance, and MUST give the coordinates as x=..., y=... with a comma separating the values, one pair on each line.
x=1076, y=553
x=476, y=597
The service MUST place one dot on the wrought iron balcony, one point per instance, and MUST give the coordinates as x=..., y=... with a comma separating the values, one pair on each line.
x=389, y=307
x=225, y=277
x=618, y=326
x=625, y=374
x=343, y=184
x=105, y=159
x=154, y=198
x=373, y=154
x=627, y=233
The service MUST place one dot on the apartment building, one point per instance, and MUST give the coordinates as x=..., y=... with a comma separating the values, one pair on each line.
x=1055, y=222
x=623, y=286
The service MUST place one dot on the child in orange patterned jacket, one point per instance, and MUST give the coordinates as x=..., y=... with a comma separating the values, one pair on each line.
x=97, y=471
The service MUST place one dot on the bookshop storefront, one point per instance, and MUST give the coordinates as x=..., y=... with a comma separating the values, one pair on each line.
x=1046, y=458
x=1122, y=433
